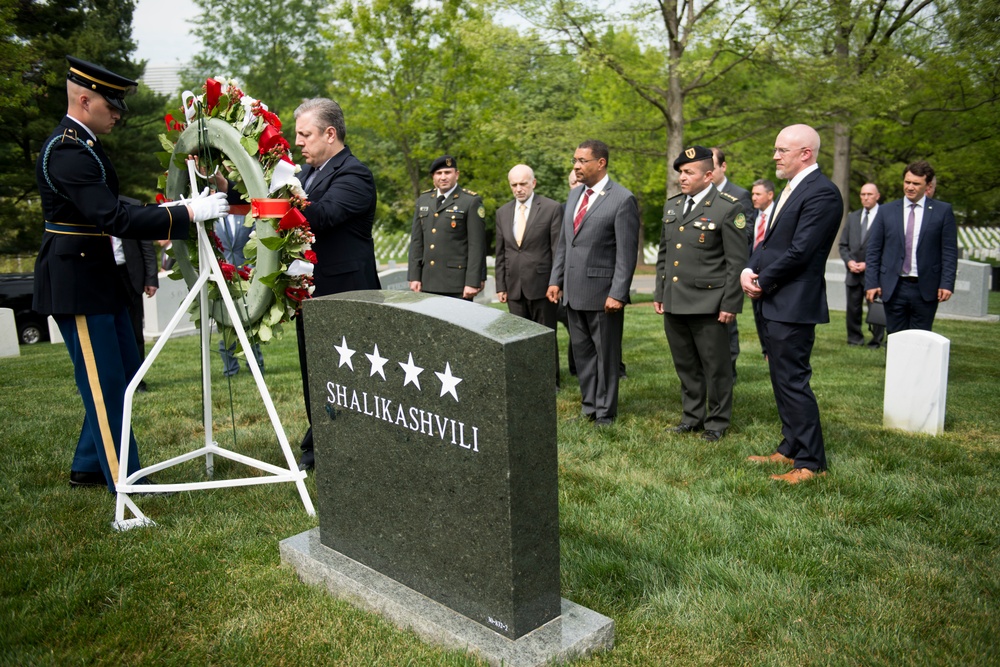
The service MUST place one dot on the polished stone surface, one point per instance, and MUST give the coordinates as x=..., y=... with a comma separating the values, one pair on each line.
x=436, y=462
x=577, y=632
x=916, y=381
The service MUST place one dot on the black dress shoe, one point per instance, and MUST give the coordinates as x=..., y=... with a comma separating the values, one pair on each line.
x=712, y=436
x=683, y=428
x=582, y=418
x=308, y=460
x=141, y=388
x=604, y=421
x=82, y=479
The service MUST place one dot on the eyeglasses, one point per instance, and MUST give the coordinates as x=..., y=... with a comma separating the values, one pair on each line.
x=785, y=151
x=580, y=160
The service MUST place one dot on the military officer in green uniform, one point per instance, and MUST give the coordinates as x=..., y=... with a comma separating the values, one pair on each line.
x=703, y=249
x=448, y=240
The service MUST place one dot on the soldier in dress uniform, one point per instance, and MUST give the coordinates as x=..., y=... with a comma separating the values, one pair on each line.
x=448, y=240
x=77, y=280
x=703, y=249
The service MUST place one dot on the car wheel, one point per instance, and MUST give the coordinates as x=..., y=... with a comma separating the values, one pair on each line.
x=30, y=333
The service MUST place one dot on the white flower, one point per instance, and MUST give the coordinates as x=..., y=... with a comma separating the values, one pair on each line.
x=299, y=268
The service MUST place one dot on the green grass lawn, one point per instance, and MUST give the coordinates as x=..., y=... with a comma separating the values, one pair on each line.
x=698, y=557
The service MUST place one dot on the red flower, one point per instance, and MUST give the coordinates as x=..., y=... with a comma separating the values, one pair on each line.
x=310, y=256
x=228, y=270
x=216, y=240
x=271, y=138
x=293, y=219
x=160, y=198
x=244, y=272
x=169, y=120
x=297, y=294
x=213, y=91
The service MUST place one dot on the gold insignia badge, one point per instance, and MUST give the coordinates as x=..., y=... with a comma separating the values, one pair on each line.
x=740, y=221
x=701, y=239
x=482, y=211
x=447, y=162
x=690, y=153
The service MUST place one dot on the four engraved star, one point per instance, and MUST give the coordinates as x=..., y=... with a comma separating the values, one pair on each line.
x=448, y=381
x=412, y=372
x=377, y=362
x=345, y=353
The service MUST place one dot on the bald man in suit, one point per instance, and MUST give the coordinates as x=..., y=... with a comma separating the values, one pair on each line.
x=594, y=264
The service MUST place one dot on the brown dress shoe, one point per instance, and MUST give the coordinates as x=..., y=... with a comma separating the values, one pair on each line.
x=773, y=458
x=797, y=475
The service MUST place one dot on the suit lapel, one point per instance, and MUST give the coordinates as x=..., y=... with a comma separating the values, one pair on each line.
x=594, y=203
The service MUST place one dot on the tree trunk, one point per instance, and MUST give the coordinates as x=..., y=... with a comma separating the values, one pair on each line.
x=842, y=172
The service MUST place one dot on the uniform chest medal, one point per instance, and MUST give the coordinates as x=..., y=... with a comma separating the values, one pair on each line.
x=701, y=238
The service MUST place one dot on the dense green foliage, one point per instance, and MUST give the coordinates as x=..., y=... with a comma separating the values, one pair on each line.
x=893, y=559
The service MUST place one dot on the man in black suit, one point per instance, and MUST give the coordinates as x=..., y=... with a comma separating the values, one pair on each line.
x=594, y=264
x=912, y=254
x=77, y=279
x=723, y=184
x=341, y=213
x=853, y=248
x=139, y=275
x=762, y=194
x=786, y=273
x=527, y=233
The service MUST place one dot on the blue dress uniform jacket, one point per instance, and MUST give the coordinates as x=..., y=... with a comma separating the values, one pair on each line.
x=448, y=242
x=75, y=273
x=78, y=282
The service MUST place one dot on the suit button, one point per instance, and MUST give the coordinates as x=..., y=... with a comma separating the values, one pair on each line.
x=678, y=245
x=681, y=228
x=675, y=278
x=83, y=254
x=432, y=262
x=435, y=215
x=434, y=230
x=677, y=263
x=432, y=246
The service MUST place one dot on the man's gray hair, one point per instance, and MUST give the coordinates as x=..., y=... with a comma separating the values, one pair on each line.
x=326, y=113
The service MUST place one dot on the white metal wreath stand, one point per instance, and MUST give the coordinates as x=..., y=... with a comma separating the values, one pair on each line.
x=208, y=270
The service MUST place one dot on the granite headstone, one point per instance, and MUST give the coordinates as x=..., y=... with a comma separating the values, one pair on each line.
x=436, y=461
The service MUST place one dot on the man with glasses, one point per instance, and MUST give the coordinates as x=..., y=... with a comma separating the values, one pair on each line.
x=786, y=273
x=595, y=260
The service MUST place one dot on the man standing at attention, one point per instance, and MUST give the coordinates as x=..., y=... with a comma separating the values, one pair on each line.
x=527, y=231
x=724, y=185
x=853, y=248
x=762, y=194
x=912, y=254
x=448, y=239
x=703, y=249
x=786, y=273
x=341, y=213
x=77, y=279
x=595, y=260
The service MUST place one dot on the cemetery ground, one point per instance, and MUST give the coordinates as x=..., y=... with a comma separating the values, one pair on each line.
x=893, y=559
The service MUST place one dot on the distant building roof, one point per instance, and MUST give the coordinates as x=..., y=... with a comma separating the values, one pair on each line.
x=163, y=79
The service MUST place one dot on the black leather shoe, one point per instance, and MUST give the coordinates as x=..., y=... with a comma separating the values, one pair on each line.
x=582, y=418
x=82, y=479
x=683, y=428
x=308, y=460
x=604, y=421
x=712, y=436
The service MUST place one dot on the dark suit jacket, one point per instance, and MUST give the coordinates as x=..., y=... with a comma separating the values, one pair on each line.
x=853, y=245
x=599, y=260
x=937, y=249
x=791, y=260
x=523, y=271
x=232, y=244
x=79, y=191
x=341, y=214
x=140, y=260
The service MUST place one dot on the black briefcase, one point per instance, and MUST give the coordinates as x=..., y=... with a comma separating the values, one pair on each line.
x=876, y=313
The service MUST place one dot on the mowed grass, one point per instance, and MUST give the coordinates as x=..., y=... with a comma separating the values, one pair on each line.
x=698, y=557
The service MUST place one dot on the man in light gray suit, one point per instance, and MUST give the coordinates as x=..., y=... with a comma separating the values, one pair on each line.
x=528, y=231
x=594, y=264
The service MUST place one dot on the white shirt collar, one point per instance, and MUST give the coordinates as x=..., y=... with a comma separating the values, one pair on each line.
x=799, y=177
x=448, y=194
x=527, y=202
x=81, y=124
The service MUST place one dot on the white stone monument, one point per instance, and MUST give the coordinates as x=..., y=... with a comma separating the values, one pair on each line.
x=916, y=381
x=9, y=346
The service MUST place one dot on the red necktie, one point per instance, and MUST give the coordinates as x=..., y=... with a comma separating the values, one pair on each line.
x=761, y=228
x=583, y=210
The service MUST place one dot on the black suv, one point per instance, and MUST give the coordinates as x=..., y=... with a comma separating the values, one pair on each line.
x=16, y=290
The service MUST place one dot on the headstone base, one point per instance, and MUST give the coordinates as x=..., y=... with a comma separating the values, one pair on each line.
x=577, y=633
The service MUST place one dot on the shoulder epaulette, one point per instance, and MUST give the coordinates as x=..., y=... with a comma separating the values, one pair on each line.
x=426, y=191
x=469, y=192
x=728, y=196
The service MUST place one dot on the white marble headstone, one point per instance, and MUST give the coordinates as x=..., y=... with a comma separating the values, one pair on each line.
x=8, y=334
x=55, y=335
x=916, y=381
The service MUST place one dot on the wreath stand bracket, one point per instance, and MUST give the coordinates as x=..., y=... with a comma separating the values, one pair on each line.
x=127, y=484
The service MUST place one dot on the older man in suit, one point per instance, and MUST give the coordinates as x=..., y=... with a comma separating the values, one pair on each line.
x=594, y=263
x=786, y=273
x=341, y=213
x=853, y=248
x=703, y=249
x=912, y=254
x=527, y=233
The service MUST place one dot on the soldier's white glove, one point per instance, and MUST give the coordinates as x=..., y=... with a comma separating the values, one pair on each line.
x=208, y=207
